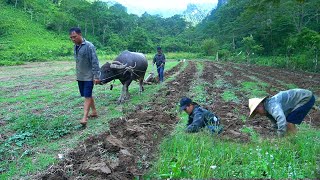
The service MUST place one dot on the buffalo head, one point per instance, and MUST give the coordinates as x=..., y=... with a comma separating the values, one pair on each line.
x=111, y=71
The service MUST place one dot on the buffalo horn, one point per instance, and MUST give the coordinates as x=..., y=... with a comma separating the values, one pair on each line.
x=117, y=65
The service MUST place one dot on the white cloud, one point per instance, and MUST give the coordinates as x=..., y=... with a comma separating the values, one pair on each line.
x=162, y=4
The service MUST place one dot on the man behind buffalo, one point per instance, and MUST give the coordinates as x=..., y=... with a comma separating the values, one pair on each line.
x=88, y=71
x=160, y=60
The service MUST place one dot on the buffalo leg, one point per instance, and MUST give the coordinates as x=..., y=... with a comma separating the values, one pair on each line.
x=127, y=94
x=141, y=88
x=125, y=91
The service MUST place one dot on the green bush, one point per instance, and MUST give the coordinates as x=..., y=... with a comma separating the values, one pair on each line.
x=210, y=47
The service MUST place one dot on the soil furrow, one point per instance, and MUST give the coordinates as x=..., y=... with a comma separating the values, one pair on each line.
x=256, y=77
x=229, y=112
x=303, y=80
x=234, y=115
x=127, y=150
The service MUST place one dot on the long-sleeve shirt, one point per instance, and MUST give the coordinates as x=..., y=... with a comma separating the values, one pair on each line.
x=283, y=103
x=200, y=118
x=87, y=64
x=159, y=59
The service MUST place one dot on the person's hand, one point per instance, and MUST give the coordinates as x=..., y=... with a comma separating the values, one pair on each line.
x=96, y=81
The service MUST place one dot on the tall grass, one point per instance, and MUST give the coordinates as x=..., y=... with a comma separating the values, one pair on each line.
x=204, y=155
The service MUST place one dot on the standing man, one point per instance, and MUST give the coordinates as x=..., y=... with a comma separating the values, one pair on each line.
x=199, y=117
x=285, y=109
x=88, y=71
x=160, y=60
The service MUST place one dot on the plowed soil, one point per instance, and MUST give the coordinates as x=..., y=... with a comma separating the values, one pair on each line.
x=127, y=150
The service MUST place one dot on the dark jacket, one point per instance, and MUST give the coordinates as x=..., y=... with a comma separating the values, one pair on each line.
x=87, y=64
x=159, y=59
x=200, y=118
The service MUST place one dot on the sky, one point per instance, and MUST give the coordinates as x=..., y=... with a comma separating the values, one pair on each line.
x=161, y=6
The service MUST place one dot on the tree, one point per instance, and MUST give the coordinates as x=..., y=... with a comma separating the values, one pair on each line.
x=117, y=43
x=210, y=47
x=140, y=41
x=310, y=41
x=251, y=46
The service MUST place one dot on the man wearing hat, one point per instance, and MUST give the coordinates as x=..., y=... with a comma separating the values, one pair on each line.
x=199, y=117
x=285, y=109
x=160, y=60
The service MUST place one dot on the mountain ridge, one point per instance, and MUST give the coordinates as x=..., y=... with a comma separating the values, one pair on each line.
x=205, y=8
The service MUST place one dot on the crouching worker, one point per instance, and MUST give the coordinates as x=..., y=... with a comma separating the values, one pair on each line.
x=285, y=109
x=199, y=117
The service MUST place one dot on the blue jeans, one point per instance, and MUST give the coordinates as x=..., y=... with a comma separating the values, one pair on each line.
x=160, y=70
x=297, y=116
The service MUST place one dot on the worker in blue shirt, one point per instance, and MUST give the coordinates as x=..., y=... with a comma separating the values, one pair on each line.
x=160, y=60
x=285, y=109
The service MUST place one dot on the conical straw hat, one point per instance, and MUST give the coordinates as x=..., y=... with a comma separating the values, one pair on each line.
x=253, y=103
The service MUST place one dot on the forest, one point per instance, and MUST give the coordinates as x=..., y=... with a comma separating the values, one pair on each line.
x=280, y=33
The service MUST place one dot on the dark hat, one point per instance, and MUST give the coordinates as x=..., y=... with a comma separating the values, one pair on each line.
x=184, y=102
x=158, y=48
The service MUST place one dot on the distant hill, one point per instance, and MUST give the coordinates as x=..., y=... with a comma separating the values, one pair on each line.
x=25, y=40
x=195, y=13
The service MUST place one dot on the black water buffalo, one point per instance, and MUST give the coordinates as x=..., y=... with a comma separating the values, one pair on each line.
x=126, y=67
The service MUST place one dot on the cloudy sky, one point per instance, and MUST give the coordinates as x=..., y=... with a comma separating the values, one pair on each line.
x=152, y=6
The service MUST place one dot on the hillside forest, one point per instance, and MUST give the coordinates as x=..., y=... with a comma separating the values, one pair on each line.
x=280, y=33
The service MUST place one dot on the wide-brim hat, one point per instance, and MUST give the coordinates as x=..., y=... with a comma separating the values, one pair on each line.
x=253, y=104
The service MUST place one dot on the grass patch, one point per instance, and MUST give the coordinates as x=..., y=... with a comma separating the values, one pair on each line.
x=221, y=83
x=203, y=155
x=178, y=55
x=291, y=86
x=254, y=89
x=197, y=91
x=229, y=96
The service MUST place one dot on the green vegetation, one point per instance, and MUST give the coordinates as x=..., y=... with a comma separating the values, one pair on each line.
x=277, y=33
x=255, y=89
x=229, y=95
x=203, y=155
x=274, y=33
x=198, y=93
x=23, y=40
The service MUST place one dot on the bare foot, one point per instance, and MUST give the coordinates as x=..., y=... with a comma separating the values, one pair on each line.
x=93, y=116
x=83, y=121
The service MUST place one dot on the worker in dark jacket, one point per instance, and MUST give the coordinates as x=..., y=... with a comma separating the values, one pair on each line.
x=285, y=109
x=160, y=60
x=199, y=117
